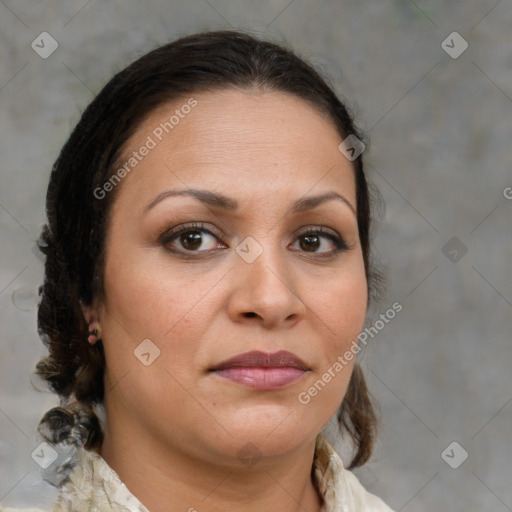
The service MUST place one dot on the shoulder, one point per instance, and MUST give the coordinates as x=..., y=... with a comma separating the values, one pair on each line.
x=2, y=509
x=363, y=499
x=339, y=487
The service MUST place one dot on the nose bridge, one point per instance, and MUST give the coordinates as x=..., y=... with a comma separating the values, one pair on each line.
x=265, y=283
x=267, y=270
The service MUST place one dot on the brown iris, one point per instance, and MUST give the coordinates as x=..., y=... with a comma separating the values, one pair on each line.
x=191, y=240
x=309, y=242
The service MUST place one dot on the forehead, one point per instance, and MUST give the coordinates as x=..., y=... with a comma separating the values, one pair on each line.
x=247, y=140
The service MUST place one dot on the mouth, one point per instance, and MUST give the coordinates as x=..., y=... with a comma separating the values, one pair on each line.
x=263, y=371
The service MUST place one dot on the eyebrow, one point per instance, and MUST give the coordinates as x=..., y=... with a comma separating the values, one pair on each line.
x=226, y=203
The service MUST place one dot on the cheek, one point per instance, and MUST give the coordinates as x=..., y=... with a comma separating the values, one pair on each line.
x=344, y=310
x=149, y=299
x=344, y=307
x=147, y=302
x=136, y=301
x=135, y=287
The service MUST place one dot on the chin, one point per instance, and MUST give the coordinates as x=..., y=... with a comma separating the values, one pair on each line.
x=273, y=429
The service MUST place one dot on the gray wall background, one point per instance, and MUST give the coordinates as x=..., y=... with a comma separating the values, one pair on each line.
x=440, y=133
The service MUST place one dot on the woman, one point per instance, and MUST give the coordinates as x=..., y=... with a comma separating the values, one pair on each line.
x=208, y=262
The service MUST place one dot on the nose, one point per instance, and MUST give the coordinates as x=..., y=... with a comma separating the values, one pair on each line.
x=265, y=292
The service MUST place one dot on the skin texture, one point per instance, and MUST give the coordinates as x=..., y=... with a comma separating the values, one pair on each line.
x=174, y=429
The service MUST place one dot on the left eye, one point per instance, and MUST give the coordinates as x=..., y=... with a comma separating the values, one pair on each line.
x=318, y=242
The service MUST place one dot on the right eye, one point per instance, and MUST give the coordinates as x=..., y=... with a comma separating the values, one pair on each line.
x=191, y=238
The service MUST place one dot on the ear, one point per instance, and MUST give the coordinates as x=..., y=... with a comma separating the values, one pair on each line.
x=90, y=313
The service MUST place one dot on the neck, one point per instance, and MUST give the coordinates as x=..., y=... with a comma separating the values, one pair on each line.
x=167, y=478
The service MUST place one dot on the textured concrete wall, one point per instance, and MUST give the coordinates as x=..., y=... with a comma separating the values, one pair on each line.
x=440, y=128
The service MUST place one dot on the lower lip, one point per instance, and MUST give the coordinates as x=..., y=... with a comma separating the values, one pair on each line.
x=262, y=378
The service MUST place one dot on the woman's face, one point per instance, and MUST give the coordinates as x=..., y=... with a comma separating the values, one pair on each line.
x=234, y=232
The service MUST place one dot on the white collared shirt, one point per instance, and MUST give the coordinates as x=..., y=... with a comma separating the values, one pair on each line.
x=93, y=486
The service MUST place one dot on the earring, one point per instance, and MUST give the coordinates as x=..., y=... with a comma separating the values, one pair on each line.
x=93, y=333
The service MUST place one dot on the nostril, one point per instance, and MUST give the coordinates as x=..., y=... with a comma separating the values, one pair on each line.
x=250, y=314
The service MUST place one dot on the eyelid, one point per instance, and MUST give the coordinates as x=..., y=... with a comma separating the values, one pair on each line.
x=202, y=226
x=168, y=234
x=316, y=229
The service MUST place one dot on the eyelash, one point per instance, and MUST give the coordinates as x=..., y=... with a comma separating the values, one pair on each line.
x=172, y=234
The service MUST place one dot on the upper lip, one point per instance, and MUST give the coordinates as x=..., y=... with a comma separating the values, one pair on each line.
x=257, y=358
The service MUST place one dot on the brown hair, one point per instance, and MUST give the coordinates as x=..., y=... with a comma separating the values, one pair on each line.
x=74, y=238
